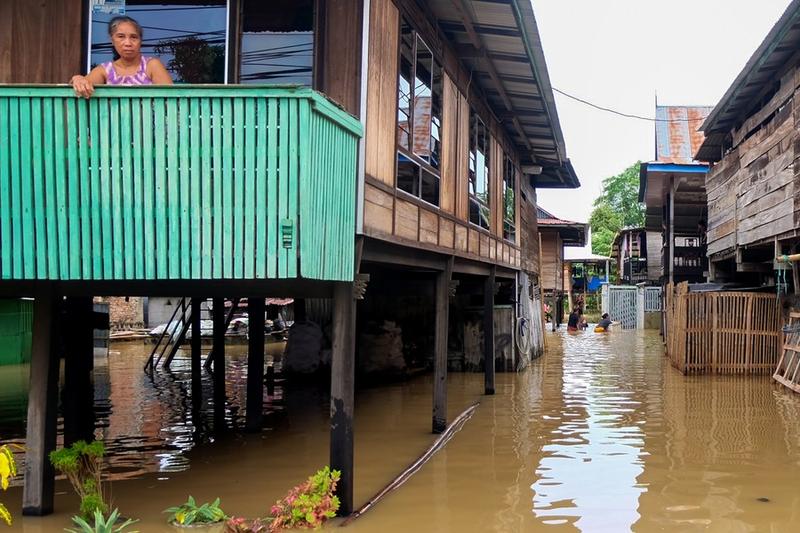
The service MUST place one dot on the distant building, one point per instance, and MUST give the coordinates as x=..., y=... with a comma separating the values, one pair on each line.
x=638, y=256
x=673, y=188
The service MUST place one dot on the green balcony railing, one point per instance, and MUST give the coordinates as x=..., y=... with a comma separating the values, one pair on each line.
x=180, y=182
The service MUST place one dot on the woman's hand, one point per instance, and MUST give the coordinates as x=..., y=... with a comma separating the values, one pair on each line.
x=83, y=87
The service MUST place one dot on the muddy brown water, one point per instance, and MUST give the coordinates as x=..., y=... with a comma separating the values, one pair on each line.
x=598, y=435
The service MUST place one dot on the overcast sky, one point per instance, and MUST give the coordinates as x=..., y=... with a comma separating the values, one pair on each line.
x=620, y=54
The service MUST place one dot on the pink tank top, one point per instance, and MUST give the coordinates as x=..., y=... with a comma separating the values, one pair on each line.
x=139, y=78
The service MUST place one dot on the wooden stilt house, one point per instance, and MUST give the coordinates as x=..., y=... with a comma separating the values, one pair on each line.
x=407, y=146
x=751, y=142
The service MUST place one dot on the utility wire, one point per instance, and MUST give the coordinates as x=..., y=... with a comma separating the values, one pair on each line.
x=627, y=115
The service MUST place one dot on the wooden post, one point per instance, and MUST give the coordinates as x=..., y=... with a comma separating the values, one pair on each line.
x=218, y=350
x=440, y=355
x=197, y=362
x=78, y=393
x=671, y=229
x=40, y=438
x=342, y=391
x=255, y=364
x=488, y=332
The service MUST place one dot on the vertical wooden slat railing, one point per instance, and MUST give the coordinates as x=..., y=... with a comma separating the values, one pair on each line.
x=181, y=182
x=722, y=332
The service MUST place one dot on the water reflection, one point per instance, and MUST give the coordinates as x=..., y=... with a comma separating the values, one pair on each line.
x=587, y=475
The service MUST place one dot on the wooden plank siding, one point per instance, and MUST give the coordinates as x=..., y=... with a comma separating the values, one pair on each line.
x=752, y=191
x=396, y=216
x=278, y=202
x=40, y=42
x=552, y=270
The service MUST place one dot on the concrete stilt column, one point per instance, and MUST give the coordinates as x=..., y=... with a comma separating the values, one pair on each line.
x=442, y=293
x=197, y=363
x=488, y=332
x=255, y=364
x=342, y=391
x=218, y=351
x=40, y=438
x=78, y=394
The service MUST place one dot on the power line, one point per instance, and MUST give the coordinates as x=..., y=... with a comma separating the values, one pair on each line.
x=627, y=115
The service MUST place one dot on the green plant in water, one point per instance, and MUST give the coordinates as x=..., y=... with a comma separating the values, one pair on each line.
x=190, y=513
x=8, y=470
x=101, y=524
x=309, y=504
x=82, y=464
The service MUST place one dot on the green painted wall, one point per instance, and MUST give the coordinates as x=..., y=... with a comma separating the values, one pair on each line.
x=16, y=322
x=176, y=182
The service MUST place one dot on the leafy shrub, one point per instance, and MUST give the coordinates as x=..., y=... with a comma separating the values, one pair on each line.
x=190, y=513
x=82, y=464
x=242, y=525
x=309, y=504
x=101, y=525
x=8, y=470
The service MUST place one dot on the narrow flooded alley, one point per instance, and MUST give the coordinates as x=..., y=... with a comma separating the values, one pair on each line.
x=599, y=434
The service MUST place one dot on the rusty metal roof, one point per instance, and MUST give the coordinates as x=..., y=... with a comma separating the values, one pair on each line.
x=572, y=233
x=743, y=96
x=677, y=132
x=498, y=42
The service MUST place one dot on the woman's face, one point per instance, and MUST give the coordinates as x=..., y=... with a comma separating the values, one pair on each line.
x=126, y=40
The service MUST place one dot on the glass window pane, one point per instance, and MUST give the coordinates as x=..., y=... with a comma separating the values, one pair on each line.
x=404, y=85
x=189, y=38
x=407, y=175
x=423, y=104
x=277, y=42
x=430, y=187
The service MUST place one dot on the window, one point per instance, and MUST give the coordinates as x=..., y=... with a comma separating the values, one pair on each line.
x=277, y=42
x=478, y=172
x=419, y=118
x=188, y=37
x=509, y=199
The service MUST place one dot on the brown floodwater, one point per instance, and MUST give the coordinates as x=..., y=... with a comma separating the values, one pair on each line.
x=600, y=434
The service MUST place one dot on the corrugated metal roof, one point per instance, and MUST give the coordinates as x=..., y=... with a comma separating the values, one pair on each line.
x=677, y=132
x=572, y=233
x=761, y=70
x=498, y=42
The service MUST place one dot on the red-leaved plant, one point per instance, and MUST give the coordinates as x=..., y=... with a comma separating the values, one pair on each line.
x=309, y=504
x=242, y=525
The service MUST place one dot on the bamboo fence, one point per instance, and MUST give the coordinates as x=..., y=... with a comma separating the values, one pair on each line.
x=722, y=332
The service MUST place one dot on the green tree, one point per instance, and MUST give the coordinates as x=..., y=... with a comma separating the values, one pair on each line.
x=616, y=208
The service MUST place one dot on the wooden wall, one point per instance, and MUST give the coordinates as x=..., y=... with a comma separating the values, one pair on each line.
x=40, y=42
x=340, y=78
x=752, y=192
x=527, y=227
x=399, y=217
x=552, y=269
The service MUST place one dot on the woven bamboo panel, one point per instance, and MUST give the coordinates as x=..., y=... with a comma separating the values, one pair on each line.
x=787, y=371
x=722, y=332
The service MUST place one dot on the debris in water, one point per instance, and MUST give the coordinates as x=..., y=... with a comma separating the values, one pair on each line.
x=763, y=499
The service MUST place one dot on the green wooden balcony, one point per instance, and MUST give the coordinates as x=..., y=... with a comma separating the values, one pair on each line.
x=181, y=182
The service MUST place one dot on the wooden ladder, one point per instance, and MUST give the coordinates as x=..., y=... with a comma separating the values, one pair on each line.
x=787, y=372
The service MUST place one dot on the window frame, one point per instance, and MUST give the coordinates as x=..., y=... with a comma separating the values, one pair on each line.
x=508, y=164
x=473, y=149
x=407, y=151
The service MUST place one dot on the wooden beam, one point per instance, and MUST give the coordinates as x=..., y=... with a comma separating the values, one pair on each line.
x=488, y=332
x=78, y=394
x=40, y=437
x=255, y=364
x=342, y=392
x=440, y=356
x=218, y=351
x=197, y=363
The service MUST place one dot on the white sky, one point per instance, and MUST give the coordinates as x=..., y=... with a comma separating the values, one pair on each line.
x=619, y=54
